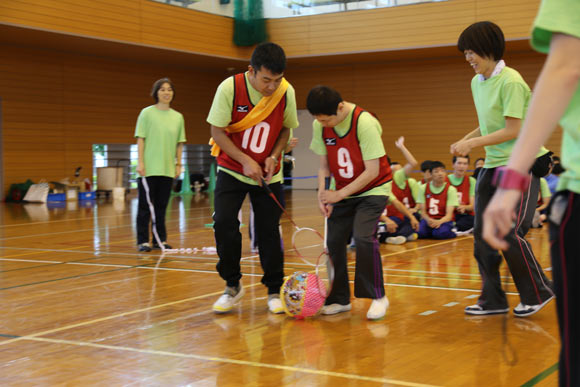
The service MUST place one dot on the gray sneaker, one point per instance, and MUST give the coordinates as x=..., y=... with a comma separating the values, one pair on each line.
x=334, y=309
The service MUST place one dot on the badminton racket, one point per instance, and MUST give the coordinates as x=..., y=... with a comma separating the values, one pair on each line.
x=310, y=246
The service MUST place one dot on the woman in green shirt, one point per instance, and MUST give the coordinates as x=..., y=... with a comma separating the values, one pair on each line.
x=160, y=134
x=556, y=97
x=501, y=98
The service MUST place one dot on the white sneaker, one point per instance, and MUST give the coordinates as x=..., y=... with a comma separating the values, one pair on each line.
x=523, y=310
x=396, y=240
x=334, y=309
x=466, y=232
x=275, y=304
x=378, y=308
x=227, y=300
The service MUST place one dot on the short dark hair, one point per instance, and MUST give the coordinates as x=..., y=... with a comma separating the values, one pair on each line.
x=157, y=85
x=464, y=157
x=269, y=55
x=555, y=159
x=476, y=160
x=484, y=38
x=437, y=164
x=558, y=169
x=323, y=100
x=394, y=162
x=426, y=165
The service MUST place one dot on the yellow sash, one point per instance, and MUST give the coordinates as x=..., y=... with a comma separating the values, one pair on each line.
x=258, y=114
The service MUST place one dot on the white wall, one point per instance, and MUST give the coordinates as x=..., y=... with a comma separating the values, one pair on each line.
x=306, y=161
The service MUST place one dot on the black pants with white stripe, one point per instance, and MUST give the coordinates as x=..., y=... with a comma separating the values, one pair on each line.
x=529, y=278
x=564, y=218
x=159, y=193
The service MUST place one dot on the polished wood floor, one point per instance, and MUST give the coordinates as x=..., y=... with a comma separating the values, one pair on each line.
x=82, y=307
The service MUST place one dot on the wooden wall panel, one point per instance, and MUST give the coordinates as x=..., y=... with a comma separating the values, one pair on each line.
x=417, y=25
x=152, y=23
x=56, y=105
x=133, y=21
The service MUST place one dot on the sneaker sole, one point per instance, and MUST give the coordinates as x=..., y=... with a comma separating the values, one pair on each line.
x=486, y=312
x=533, y=311
x=220, y=310
x=341, y=310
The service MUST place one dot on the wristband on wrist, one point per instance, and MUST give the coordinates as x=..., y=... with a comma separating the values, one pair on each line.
x=506, y=178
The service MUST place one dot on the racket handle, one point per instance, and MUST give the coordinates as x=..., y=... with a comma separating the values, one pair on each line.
x=327, y=183
x=266, y=187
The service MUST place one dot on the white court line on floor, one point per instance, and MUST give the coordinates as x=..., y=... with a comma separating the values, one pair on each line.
x=232, y=361
x=450, y=304
x=427, y=312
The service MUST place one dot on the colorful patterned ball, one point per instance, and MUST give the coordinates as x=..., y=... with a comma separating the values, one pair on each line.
x=303, y=295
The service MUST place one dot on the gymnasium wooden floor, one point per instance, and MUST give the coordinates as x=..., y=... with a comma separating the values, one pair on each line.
x=82, y=307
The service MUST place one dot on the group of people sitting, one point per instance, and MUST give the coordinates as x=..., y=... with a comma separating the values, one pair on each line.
x=441, y=205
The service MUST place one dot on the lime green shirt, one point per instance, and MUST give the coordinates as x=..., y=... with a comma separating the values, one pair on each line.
x=162, y=131
x=220, y=115
x=545, y=189
x=563, y=16
x=369, y=138
x=503, y=95
x=451, y=194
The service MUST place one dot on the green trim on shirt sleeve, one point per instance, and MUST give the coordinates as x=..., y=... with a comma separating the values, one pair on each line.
x=317, y=144
x=369, y=137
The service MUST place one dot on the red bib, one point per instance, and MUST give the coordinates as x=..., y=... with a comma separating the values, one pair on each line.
x=405, y=196
x=436, y=204
x=463, y=192
x=258, y=141
x=345, y=156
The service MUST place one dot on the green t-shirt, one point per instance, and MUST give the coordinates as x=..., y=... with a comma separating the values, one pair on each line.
x=451, y=194
x=544, y=188
x=563, y=16
x=503, y=95
x=220, y=115
x=162, y=131
x=369, y=138
x=400, y=177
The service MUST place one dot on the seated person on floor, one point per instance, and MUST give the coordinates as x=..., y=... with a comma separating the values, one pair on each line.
x=438, y=200
x=465, y=186
x=399, y=225
x=544, y=196
x=402, y=186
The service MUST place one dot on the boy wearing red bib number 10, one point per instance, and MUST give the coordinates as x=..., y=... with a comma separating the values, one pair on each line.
x=251, y=118
x=348, y=141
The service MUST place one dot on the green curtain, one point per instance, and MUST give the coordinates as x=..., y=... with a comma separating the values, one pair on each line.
x=249, y=22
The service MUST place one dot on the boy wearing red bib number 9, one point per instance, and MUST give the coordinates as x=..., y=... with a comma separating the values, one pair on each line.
x=251, y=118
x=348, y=141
